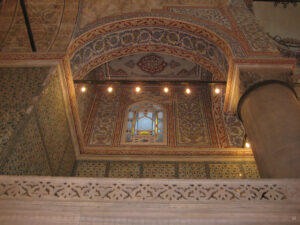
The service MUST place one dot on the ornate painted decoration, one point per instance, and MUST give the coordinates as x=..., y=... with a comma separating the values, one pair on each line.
x=170, y=41
x=175, y=68
x=152, y=64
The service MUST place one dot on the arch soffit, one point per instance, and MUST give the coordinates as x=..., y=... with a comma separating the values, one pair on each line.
x=95, y=47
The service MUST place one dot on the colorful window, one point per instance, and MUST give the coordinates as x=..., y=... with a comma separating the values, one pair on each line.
x=145, y=124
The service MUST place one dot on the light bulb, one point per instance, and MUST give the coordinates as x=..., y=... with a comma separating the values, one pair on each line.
x=217, y=90
x=83, y=89
x=166, y=90
x=109, y=89
x=247, y=145
x=137, y=89
x=188, y=91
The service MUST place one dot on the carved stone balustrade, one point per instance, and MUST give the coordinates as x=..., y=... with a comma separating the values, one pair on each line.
x=73, y=200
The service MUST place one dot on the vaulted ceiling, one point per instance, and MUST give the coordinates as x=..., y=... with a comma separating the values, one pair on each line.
x=150, y=66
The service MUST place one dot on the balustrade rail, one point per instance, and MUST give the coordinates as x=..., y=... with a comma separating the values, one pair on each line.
x=147, y=190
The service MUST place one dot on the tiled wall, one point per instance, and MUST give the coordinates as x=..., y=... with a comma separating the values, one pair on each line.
x=28, y=155
x=182, y=170
x=18, y=87
x=85, y=99
x=34, y=135
x=51, y=115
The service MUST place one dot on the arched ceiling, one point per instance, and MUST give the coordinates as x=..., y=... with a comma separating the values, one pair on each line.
x=52, y=24
x=144, y=34
x=150, y=66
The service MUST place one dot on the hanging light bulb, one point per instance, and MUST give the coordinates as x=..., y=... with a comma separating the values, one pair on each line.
x=217, y=90
x=109, y=89
x=83, y=89
x=137, y=89
x=247, y=144
x=166, y=90
x=188, y=91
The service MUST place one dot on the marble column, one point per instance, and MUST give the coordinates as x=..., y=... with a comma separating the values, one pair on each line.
x=270, y=113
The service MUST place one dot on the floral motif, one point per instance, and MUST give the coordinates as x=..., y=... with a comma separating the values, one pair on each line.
x=150, y=35
x=155, y=190
x=152, y=64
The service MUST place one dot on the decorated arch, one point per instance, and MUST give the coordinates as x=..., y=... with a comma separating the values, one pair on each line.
x=142, y=35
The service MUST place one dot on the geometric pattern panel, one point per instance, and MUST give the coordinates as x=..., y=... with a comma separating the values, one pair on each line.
x=68, y=161
x=158, y=170
x=124, y=169
x=222, y=171
x=18, y=87
x=166, y=169
x=53, y=122
x=34, y=135
x=90, y=169
x=250, y=170
x=28, y=155
x=192, y=170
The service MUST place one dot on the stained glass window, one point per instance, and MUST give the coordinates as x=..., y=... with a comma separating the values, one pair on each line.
x=145, y=124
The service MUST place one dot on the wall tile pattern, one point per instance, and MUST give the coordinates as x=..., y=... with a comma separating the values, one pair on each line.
x=68, y=161
x=18, y=87
x=85, y=99
x=53, y=121
x=34, y=135
x=165, y=169
x=124, y=169
x=91, y=169
x=28, y=155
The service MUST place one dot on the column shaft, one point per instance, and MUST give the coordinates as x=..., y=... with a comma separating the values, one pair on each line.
x=271, y=116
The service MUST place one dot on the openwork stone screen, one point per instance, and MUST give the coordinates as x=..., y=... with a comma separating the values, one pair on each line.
x=145, y=190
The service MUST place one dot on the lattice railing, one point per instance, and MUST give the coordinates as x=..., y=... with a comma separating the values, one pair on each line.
x=153, y=190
